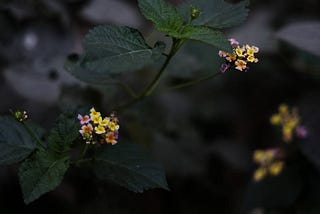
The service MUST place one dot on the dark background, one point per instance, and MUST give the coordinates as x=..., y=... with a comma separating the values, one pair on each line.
x=203, y=135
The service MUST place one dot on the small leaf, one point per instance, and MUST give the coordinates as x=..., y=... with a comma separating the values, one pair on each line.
x=40, y=174
x=111, y=50
x=65, y=131
x=218, y=13
x=15, y=142
x=303, y=35
x=164, y=16
x=128, y=165
x=207, y=35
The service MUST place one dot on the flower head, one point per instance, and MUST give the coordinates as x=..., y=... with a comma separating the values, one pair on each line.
x=290, y=123
x=86, y=129
x=233, y=42
x=240, y=65
x=240, y=56
x=224, y=67
x=111, y=138
x=83, y=119
x=100, y=129
x=269, y=163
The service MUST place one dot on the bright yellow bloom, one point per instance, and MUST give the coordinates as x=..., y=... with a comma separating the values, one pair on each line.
x=104, y=122
x=240, y=64
x=239, y=51
x=99, y=130
x=283, y=109
x=96, y=120
x=260, y=173
x=94, y=113
x=251, y=58
x=275, y=119
x=276, y=168
x=288, y=120
x=113, y=126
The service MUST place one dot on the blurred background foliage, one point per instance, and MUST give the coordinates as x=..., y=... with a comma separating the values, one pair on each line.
x=203, y=135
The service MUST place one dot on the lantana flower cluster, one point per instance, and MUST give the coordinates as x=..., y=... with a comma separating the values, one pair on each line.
x=240, y=57
x=98, y=129
x=289, y=121
x=269, y=162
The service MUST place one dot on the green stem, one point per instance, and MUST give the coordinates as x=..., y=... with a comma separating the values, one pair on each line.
x=33, y=135
x=176, y=44
x=190, y=83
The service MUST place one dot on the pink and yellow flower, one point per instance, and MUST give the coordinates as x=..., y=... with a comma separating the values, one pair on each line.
x=111, y=138
x=83, y=119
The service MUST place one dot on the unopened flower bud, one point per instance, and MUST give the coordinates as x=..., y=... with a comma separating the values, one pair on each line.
x=194, y=12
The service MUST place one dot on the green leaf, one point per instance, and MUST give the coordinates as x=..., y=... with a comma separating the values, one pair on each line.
x=111, y=50
x=164, y=16
x=128, y=165
x=217, y=13
x=15, y=142
x=40, y=174
x=207, y=35
x=65, y=131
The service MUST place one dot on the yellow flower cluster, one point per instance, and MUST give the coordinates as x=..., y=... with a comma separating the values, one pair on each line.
x=96, y=128
x=287, y=119
x=240, y=57
x=269, y=163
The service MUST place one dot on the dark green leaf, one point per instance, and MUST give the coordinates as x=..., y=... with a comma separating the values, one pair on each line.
x=65, y=131
x=40, y=174
x=128, y=165
x=111, y=50
x=207, y=35
x=163, y=15
x=218, y=13
x=15, y=142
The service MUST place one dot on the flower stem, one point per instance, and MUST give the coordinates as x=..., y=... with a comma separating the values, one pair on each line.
x=176, y=44
x=190, y=83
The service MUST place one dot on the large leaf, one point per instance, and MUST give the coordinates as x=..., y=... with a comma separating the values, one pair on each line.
x=40, y=174
x=64, y=132
x=128, y=165
x=112, y=50
x=303, y=35
x=207, y=35
x=15, y=142
x=163, y=15
x=218, y=13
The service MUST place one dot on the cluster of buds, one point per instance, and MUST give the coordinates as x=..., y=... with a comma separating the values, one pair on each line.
x=20, y=115
x=289, y=121
x=95, y=128
x=269, y=163
x=239, y=58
